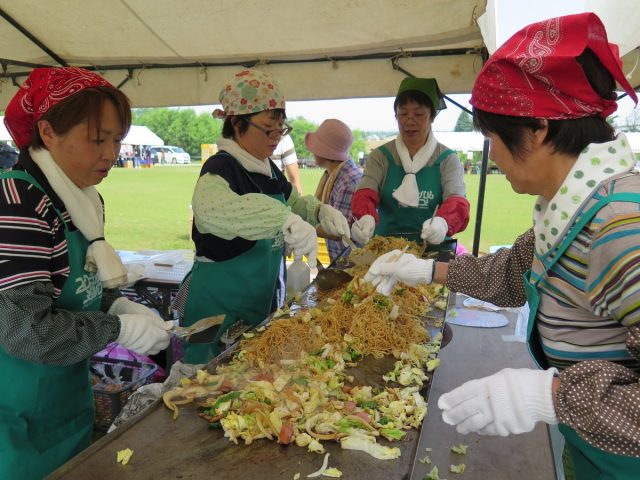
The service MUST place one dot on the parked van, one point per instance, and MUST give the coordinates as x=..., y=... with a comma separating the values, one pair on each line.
x=172, y=154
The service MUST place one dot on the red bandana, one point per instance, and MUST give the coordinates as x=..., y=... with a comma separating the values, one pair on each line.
x=42, y=90
x=535, y=74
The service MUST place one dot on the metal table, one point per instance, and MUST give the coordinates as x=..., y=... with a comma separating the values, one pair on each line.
x=475, y=353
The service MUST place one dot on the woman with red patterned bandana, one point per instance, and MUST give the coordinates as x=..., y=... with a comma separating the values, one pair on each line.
x=543, y=99
x=55, y=264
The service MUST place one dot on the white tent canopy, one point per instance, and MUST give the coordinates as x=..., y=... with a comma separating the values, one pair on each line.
x=140, y=135
x=165, y=52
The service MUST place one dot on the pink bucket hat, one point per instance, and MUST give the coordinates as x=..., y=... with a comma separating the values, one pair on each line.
x=249, y=91
x=332, y=140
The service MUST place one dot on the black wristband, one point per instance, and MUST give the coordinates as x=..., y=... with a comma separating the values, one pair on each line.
x=96, y=240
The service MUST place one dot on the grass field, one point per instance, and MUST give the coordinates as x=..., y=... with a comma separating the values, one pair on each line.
x=148, y=209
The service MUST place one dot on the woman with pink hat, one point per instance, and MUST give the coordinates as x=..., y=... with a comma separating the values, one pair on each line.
x=543, y=99
x=330, y=147
x=245, y=213
x=58, y=274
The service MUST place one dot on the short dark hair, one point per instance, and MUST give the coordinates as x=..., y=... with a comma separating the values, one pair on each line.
x=242, y=121
x=414, y=96
x=569, y=136
x=86, y=105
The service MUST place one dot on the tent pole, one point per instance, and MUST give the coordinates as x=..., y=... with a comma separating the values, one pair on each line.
x=481, y=189
x=483, y=180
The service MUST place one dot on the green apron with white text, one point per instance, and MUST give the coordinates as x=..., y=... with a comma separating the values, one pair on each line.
x=589, y=462
x=46, y=411
x=394, y=218
x=242, y=288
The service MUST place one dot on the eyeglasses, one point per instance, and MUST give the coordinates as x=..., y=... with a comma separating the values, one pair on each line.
x=276, y=132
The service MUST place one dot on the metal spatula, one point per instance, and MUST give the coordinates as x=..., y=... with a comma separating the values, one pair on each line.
x=198, y=327
x=329, y=278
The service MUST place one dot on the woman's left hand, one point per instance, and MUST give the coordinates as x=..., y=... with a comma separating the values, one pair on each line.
x=333, y=221
x=434, y=230
x=507, y=402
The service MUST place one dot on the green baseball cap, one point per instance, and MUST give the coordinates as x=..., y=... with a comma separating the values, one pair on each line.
x=428, y=86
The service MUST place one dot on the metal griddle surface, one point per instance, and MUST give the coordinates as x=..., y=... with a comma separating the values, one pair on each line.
x=188, y=449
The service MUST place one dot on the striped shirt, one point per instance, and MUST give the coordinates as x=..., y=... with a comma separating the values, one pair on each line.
x=589, y=317
x=592, y=294
x=33, y=269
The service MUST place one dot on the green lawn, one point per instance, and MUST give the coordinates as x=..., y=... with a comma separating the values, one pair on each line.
x=149, y=209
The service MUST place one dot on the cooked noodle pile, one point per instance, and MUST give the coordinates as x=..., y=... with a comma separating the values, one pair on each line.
x=377, y=324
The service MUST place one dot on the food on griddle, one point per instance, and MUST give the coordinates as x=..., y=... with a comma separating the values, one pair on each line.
x=289, y=383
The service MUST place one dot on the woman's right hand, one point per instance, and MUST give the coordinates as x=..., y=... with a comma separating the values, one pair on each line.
x=143, y=333
x=396, y=266
x=362, y=229
x=301, y=237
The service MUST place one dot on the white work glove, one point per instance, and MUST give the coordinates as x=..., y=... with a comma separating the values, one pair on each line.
x=144, y=334
x=510, y=401
x=434, y=230
x=124, y=305
x=362, y=229
x=301, y=237
x=333, y=222
x=396, y=266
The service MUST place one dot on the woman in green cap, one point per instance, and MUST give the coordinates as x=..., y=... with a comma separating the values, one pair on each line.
x=245, y=212
x=406, y=179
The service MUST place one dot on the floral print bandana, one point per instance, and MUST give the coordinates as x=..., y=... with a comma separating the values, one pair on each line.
x=596, y=163
x=249, y=91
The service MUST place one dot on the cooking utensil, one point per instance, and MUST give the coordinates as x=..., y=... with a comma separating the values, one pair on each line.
x=349, y=242
x=425, y=244
x=198, y=327
x=329, y=278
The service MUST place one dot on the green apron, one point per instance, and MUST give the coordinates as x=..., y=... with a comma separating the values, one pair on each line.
x=46, y=411
x=394, y=218
x=242, y=288
x=589, y=462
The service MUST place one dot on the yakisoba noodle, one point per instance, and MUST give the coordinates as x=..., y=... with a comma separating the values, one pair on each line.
x=284, y=339
x=380, y=245
x=369, y=322
x=378, y=324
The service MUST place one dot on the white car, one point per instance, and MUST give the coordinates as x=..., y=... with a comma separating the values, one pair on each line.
x=172, y=154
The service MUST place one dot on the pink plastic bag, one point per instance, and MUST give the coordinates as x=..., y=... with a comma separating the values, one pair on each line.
x=461, y=249
x=116, y=351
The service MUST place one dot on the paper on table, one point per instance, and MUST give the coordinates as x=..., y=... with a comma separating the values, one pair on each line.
x=520, y=333
x=476, y=318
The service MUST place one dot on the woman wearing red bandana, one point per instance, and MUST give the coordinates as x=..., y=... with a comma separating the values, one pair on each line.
x=543, y=99
x=55, y=265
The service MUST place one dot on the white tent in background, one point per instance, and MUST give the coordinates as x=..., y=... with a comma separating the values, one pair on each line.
x=140, y=135
x=4, y=133
x=461, y=141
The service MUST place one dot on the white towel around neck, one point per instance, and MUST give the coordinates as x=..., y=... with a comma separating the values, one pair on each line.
x=407, y=194
x=85, y=208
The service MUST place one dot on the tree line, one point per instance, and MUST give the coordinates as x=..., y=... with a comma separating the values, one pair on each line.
x=185, y=128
